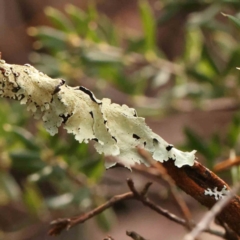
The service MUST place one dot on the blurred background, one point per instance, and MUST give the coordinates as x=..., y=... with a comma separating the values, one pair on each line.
x=174, y=61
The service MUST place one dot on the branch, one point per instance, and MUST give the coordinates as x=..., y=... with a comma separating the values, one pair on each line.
x=66, y=223
x=134, y=235
x=162, y=173
x=116, y=130
x=210, y=215
x=59, y=225
x=196, y=180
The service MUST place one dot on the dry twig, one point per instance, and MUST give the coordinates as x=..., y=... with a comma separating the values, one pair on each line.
x=134, y=235
x=108, y=238
x=165, y=177
x=59, y=225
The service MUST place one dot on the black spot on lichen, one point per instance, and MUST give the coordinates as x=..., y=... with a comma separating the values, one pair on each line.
x=105, y=121
x=95, y=139
x=91, y=113
x=135, y=113
x=155, y=141
x=16, y=89
x=114, y=138
x=65, y=118
x=136, y=136
x=169, y=147
x=20, y=97
x=144, y=144
x=89, y=93
x=16, y=74
x=58, y=87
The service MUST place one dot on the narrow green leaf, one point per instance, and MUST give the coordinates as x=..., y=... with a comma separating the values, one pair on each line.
x=9, y=184
x=26, y=161
x=92, y=33
x=79, y=19
x=196, y=142
x=49, y=37
x=106, y=219
x=199, y=76
x=33, y=199
x=25, y=137
x=58, y=19
x=206, y=55
x=149, y=25
x=234, y=131
x=233, y=62
x=233, y=19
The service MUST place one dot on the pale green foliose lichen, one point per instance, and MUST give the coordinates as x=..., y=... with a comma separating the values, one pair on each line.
x=217, y=194
x=116, y=130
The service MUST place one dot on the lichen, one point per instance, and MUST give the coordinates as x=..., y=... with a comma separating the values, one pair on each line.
x=217, y=194
x=116, y=129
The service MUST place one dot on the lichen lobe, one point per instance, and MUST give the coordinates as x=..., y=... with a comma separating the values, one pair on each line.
x=115, y=129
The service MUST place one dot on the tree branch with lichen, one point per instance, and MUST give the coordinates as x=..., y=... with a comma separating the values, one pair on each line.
x=116, y=130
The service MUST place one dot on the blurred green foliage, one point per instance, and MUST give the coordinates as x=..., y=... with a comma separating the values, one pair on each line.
x=86, y=48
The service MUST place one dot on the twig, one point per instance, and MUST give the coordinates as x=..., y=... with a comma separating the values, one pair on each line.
x=210, y=215
x=60, y=224
x=165, y=176
x=108, y=238
x=164, y=212
x=134, y=235
x=153, y=206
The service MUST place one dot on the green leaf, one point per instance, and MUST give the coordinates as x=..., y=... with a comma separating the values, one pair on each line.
x=208, y=57
x=168, y=13
x=215, y=145
x=233, y=62
x=196, y=142
x=199, y=76
x=49, y=37
x=93, y=169
x=92, y=33
x=233, y=19
x=108, y=31
x=234, y=131
x=59, y=20
x=9, y=184
x=33, y=199
x=106, y=219
x=26, y=161
x=205, y=17
x=79, y=19
x=149, y=25
x=25, y=137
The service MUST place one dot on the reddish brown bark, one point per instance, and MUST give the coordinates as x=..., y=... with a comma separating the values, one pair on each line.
x=195, y=180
